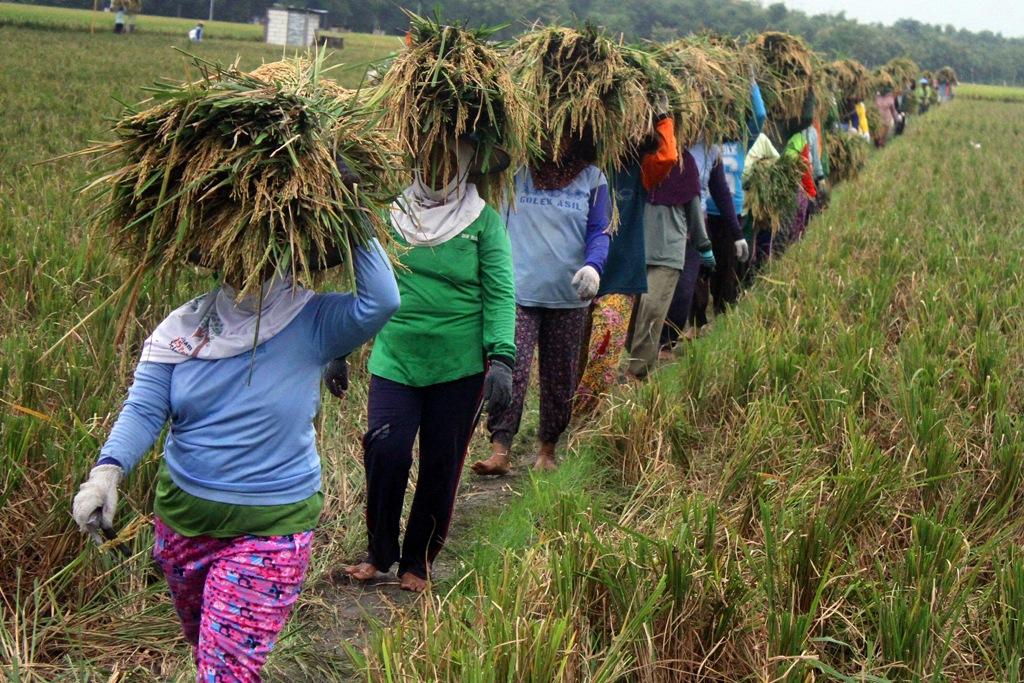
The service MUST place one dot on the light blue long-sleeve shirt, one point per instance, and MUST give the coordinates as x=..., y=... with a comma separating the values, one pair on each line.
x=812, y=142
x=759, y=114
x=734, y=153
x=554, y=233
x=242, y=427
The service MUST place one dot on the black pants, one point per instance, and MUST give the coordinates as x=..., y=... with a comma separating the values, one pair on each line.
x=725, y=280
x=682, y=300
x=443, y=416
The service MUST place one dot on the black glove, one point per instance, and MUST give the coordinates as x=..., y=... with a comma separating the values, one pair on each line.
x=348, y=177
x=498, y=387
x=336, y=376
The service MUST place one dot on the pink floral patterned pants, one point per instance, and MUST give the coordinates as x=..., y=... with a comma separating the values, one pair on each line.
x=232, y=595
x=608, y=334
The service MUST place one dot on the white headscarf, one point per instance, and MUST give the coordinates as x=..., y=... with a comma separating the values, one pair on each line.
x=214, y=326
x=426, y=217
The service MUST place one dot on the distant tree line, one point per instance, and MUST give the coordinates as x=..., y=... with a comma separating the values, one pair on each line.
x=984, y=57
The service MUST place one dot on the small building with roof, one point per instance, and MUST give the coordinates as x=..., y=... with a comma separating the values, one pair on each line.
x=292, y=26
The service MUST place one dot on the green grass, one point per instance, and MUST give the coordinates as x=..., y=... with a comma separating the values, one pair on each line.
x=359, y=47
x=997, y=93
x=828, y=486
x=36, y=16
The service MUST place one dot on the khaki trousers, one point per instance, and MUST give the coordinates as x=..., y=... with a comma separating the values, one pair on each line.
x=649, y=318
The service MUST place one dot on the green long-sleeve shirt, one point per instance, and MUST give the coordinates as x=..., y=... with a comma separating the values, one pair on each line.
x=458, y=308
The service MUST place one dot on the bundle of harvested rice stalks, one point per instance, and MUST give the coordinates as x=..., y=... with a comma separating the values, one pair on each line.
x=771, y=190
x=718, y=74
x=911, y=101
x=946, y=75
x=450, y=82
x=904, y=71
x=874, y=117
x=787, y=73
x=883, y=80
x=659, y=80
x=931, y=95
x=850, y=81
x=582, y=85
x=130, y=6
x=847, y=155
x=246, y=173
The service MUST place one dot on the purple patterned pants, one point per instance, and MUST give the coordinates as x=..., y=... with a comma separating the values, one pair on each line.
x=558, y=334
x=232, y=596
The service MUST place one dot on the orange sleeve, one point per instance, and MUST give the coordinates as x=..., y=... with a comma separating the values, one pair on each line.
x=808, y=179
x=654, y=167
x=817, y=127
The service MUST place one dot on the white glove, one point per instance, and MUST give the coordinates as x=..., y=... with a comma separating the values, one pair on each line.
x=742, y=250
x=586, y=281
x=96, y=500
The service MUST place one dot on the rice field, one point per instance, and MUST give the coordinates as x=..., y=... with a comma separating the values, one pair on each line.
x=825, y=487
x=997, y=93
x=63, y=18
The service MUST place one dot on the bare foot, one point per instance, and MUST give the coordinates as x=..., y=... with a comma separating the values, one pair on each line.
x=410, y=582
x=545, y=461
x=364, y=571
x=497, y=464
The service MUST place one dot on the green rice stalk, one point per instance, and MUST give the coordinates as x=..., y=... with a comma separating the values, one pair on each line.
x=771, y=190
x=581, y=83
x=452, y=82
x=236, y=172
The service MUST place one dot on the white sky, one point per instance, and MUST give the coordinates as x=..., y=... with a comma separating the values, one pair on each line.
x=998, y=16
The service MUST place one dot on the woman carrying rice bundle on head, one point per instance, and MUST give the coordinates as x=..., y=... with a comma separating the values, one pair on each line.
x=725, y=218
x=623, y=280
x=798, y=145
x=451, y=345
x=559, y=225
x=676, y=227
x=238, y=492
x=559, y=233
x=237, y=375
